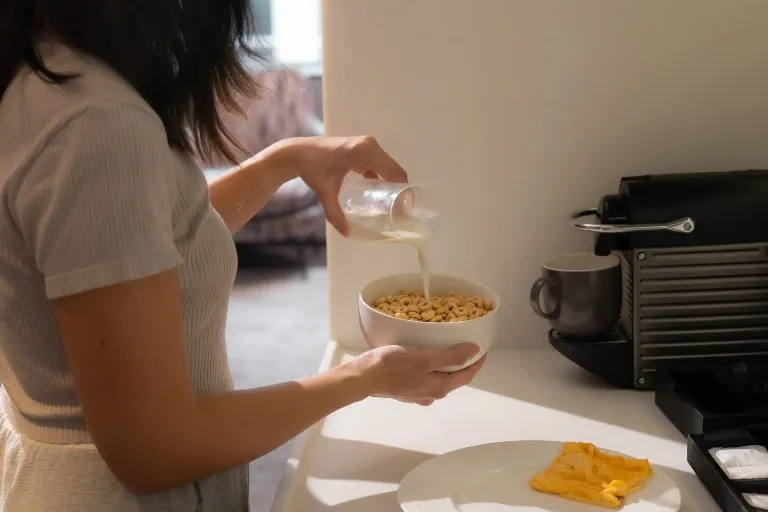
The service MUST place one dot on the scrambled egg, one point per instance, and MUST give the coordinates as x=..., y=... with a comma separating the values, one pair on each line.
x=583, y=473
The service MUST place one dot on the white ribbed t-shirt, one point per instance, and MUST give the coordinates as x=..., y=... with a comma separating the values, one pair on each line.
x=93, y=195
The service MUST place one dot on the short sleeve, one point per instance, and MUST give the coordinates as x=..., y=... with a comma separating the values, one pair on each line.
x=95, y=205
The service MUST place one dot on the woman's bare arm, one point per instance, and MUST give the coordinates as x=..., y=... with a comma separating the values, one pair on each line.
x=127, y=357
x=322, y=162
x=125, y=349
x=239, y=193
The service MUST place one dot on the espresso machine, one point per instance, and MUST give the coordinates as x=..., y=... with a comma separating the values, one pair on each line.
x=693, y=322
x=694, y=258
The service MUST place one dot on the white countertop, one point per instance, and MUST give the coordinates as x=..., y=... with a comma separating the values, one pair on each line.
x=354, y=459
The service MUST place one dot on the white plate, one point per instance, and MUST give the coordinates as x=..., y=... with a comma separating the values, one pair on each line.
x=494, y=478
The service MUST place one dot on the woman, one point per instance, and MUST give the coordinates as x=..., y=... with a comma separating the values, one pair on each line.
x=116, y=261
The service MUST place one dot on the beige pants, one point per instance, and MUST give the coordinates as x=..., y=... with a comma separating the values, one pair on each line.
x=40, y=477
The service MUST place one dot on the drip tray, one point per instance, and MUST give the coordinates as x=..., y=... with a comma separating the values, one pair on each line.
x=699, y=402
x=727, y=492
x=723, y=408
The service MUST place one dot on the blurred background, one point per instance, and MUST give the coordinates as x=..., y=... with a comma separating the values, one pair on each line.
x=277, y=327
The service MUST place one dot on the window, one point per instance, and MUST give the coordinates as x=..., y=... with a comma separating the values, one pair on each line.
x=292, y=28
x=262, y=12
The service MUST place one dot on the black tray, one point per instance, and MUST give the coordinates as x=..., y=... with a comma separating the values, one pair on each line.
x=726, y=407
x=726, y=492
x=698, y=402
x=608, y=357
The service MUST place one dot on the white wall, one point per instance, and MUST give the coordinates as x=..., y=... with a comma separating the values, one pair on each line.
x=518, y=111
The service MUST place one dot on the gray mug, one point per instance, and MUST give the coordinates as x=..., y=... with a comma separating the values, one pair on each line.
x=579, y=293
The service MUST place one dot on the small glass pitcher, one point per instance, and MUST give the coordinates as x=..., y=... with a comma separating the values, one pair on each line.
x=379, y=211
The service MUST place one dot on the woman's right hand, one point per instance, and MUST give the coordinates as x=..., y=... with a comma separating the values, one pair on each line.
x=412, y=374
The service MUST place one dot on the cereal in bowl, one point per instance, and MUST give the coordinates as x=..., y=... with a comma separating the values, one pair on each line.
x=445, y=307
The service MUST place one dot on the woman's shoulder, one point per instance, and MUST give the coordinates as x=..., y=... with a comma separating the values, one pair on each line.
x=46, y=107
x=95, y=105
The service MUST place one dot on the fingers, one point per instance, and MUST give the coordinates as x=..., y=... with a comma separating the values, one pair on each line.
x=367, y=174
x=423, y=402
x=437, y=358
x=335, y=216
x=368, y=158
x=423, y=381
x=465, y=376
x=333, y=211
x=443, y=383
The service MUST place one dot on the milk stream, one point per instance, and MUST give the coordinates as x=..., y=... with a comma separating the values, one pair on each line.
x=363, y=228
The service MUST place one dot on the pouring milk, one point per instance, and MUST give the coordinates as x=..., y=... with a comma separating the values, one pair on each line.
x=366, y=226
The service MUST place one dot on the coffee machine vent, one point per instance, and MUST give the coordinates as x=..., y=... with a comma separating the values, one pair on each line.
x=687, y=306
x=626, y=322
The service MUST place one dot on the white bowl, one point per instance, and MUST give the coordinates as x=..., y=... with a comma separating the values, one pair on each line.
x=380, y=329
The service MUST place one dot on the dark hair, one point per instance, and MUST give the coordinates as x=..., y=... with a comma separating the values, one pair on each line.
x=185, y=57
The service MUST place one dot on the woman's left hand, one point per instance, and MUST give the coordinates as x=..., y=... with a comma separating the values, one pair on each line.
x=323, y=162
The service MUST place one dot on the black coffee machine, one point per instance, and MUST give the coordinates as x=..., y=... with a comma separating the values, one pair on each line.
x=694, y=314
x=694, y=256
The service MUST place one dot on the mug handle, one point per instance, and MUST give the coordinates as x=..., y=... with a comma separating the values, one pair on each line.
x=536, y=289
